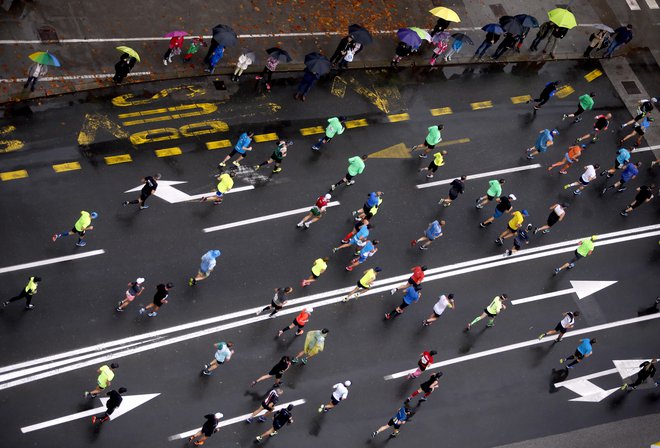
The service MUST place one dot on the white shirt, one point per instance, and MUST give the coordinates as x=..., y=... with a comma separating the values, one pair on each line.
x=340, y=392
x=441, y=305
x=559, y=210
x=37, y=71
x=567, y=320
x=589, y=173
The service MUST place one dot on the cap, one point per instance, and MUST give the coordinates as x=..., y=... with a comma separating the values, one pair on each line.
x=218, y=415
x=654, y=100
x=377, y=269
x=327, y=196
x=215, y=253
x=594, y=237
x=512, y=197
x=524, y=212
x=139, y=280
x=309, y=310
x=347, y=383
x=94, y=215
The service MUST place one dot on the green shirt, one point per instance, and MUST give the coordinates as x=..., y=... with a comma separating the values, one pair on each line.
x=355, y=166
x=106, y=376
x=586, y=102
x=495, y=189
x=495, y=306
x=83, y=222
x=433, y=137
x=334, y=127
x=586, y=246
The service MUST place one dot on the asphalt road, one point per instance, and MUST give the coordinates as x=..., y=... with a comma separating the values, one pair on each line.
x=495, y=399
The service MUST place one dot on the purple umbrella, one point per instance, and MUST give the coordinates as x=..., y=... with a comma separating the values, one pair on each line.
x=409, y=37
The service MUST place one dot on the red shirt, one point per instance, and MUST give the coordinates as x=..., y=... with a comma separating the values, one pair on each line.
x=302, y=318
x=418, y=275
x=425, y=360
x=321, y=202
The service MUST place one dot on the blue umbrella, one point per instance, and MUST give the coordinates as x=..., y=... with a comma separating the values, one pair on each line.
x=527, y=20
x=493, y=28
x=409, y=37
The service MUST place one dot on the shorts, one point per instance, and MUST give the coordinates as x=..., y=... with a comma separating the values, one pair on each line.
x=510, y=229
x=144, y=196
x=295, y=322
x=426, y=390
x=277, y=426
x=393, y=424
x=208, y=432
x=129, y=297
x=80, y=233
x=429, y=236
x=361, y=259
x=617, y=165
x=577, y=255
x=560, y=329
x=490, y=198
x=639, y=116
x=315, y=211
x=277, y=374
x=314, y=275
x=234, y=152
x=516, y=245
x=640, y=130
x=158, y=303
x=348, y=176
x=334, y=401
x=583, y=182
x=404, y=305
x=275, y=305
x=488, y=313
x=453, y=194
x=264, y=405
x=217, y=360
x=552, y=219
x=636, y=204
x=623, y=182
x=568, y=159
x=368, y=214
x=101, y=387
x=204, y=273
x=541, y=148
x=412, y=282
x=276, y=159
x=360, y=285
x=428, y=145
x=436, y=315
x=497, y=213
x=578, y=355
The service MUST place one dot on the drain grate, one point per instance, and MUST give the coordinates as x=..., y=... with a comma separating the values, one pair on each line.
x=631, y=87
x=48, y=35
x=219, y=84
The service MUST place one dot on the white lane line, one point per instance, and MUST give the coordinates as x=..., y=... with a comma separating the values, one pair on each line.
x=506, y=348
x=646, y=148
x=586, y=377
x=263, y=218
x=633, y=5
x=231, y=421
x=652, y=4
x=479, y=175
x=73, y=77
x=543, y=296
x=35, y=264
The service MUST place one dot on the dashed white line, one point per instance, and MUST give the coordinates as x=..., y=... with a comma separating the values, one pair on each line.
x=480, y=175
x=48, y=261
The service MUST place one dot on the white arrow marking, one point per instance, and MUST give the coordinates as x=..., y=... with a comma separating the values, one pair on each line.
x=167, y=192
x=129, y=403
x=628, y=368
x=580, y=287
x=231, y=421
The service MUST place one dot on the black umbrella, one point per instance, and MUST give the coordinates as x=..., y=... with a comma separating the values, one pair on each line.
x=360, y=34
x=224, y=35
x=527, y=20
x=317, y=63
x=505, y=19
x=464, y=37
x=513, y=27
x=279, y=54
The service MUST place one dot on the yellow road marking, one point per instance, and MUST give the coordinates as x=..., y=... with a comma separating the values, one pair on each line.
x=350, y=124
x=11, y=175
x=338, y=87
x=481, y=105
x=91, y=126
x=259, y=138
x=453, y=142
x=398, y=117
x=69, y=166
x=593, y=75
x=218, y=144
x=122, y=158
x=398, y=151
x=167, y=152
x=520, y=99
x=441, y=111
x=313, y=130
x=564, y=91
x=124, y=100
x=154, y=135
x=195, y=110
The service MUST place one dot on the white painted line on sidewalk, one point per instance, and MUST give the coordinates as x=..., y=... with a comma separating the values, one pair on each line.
x=652, y=4
x=231, y=421
x=480, y=175
x=48, y=261
x=72, y=77
x=633, y=5
x=264, y=218
x=535, y=341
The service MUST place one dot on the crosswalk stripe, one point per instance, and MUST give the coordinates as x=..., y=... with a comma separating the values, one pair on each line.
x=167, y=152
x=633, y=5
x=398, y=117
x=70, y=166
x=652, y=4
x=121, y=158
x=12, y=175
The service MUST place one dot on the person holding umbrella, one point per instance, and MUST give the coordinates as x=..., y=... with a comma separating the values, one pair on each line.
x=596, y=41
x=121, y=68
x=493, y=33
x=507, y=43
x=217, y=54
x=244, y=61
x=176, y=42
x=342, y=48
x=42, y=60
x=441, y=42
x=556, y=35
x=541, y=35
x=315, y=65
x=275, y=55
x=409, y=41
x=459, y=39
x=195, y=44
x=445, y=17
x=622, y=36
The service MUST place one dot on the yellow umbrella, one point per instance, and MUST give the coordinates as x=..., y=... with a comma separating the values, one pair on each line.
x=130, y=52
x=562, y=18
x=445, y=13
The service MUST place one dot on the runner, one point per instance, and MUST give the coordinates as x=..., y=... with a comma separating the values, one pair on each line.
x=584, y=350
x=369, y=250
x=356, y=228
x=504, y=205
x=436, y=163
x=209, y=428
x=428, y=387
x=355, y=166
x=433, y=232
x=225, y=184
x=601, y=124
x=425, y=360
x=433, y=137
x=134, y=290
x=492, y=310
x=622, y=158
x=314, y=344
x=206, y=267
x=400, y=419
x=318, y=268
x=569, y=158
x=566, y=323
x=647, y=370
x=629, y=172
x=276, y=371
x=557, y=214
x=150, y=185
x=494, y=191
x=335, y=127
x=586, y=102
x=280, y=419
x=548, y=92
x=279, y=153
x=544, y=140
x=80, y=227
x=415, y=279
x=456, y=187
x=639, y=129
x=586, y=177
x=644, y=195
x=522, y=237
x=106, y=375
x=299, y=321
x=160, y=298
x=443, y=302
x=114, y=401
x=268, y=405
x=316, y=212
x=241, y=147
x=359, y=239
x=364, y=284
x=644, y=108
x=278, y=301
x=370, y=207
x=412, y=296
x=223, y=352
x=339, y=394
x=515, y=223
x=584, y=249
x=27, y=292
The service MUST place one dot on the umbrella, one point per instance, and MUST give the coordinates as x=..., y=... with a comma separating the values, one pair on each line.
x=445, y=13
x=527, y=21
x=409, y=37
x=440, y=36
x=224, y=35
x=464, y=37
x=176, y=34
x=562, y=18
x=279, y=54
x=600, y=26
x=505, y=19
x=423, y=34
x=249, y=54
x=317, y=63
x=493, y=28
x=46, y=58
x=360, y=34
x=513, y=26
x=132, y=53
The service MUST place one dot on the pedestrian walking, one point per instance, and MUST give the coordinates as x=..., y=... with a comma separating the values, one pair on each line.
x=644, y=108
x=504, y=205
x=268, y=405
x=224, y=186
x=621, y=36
x=440, y=25
x=314, y=344
x=370, y=207
x=368, y=250
x=544, y=31
x=584, y=249
x=596, y=41
x=336, y=126
x=569, y=159
x=415, y=279
x=35, y=71
x=278, y=301
x=281, y=418
x=276, y=371
x=206, y=267
x=556, y=34
x=306, y=83
x=318, y=268
x=521, y=237
x=215, y=57
x=507, y=44
x=444, y=302
x=122, y=68
x=436, y=163
x=587, y=176
x=494, y=191
x=241, y=148
x=601, y=124
x=456, y=187
x=433, y=232
x=364, y=284
x=584, y=350
x=621, y=160
x=433, y=137
x=425, y=360
x=402, y=51
x=316, y=212
x=279, y=153
x=195, y=44
x=586, y=102
x=106, y=375
x=339, y=394
x=114, y=401
x=344, y=45
x=80, y=228
x=396, y=422
x=456, y=46
x=149, y=188
x=411, y=296
x=548, y=92
x=134, y=290
x=355, y=166
x=646, y=371
x=489, y=40
x=160, y=298
x=644, y=195
x=628, y=173
x=566, y=323
x=514, y=224
x=557, y=214
x=244, y=61
x=173, y=49
x=491, y=311
x=639, y=130
x=209, y=428
x=27, y=293
x=440, y=46
x=299, y=321
x=544, y=140
x=267, y=73
x=223, y=353
x=427, y=387
x=352, y=49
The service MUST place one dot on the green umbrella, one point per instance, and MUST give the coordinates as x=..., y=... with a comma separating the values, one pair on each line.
x=45, y=58
x=423, y=34
x=128, y=50
x=562, y=18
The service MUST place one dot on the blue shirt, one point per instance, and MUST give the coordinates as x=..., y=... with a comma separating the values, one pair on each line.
x=242, y=143
x=401, y=415
x=208, y=261
x=411, y=296
x=622, y=156
x=372, y=199
x=366, y=249
x=434, y=230
x=584, y=347
x=542, y=140
x=645, y=123
x=362, y=233
x=629, y=172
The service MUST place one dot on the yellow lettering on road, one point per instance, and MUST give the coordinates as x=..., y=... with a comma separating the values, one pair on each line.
x=481, y=105
x=212, y=126
x=10, y=145
x=12, y=175
x=338, y=87
x=398, y=117
x=94, y=122
x=218, y=144
x=398, y=151
x=167, y=152
x=385, y=98
x=69, y=166
x=127, y=99
x=122, y=158
x=194, y=111
x=441, y=111
x=154, y=135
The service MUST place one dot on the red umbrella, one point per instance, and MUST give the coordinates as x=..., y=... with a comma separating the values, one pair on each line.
x=176, y=34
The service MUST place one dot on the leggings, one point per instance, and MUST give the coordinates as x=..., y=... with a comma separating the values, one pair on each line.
x=433, y=167
x=22, y=294
x=267, y=73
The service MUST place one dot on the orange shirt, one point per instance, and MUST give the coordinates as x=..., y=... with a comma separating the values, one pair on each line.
x=574, y=151
x=302, y=318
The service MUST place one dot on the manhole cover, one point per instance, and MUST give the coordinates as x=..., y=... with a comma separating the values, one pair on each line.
x=219, y=84
x=498, y=10
x=631, y=87
x=48, y=35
